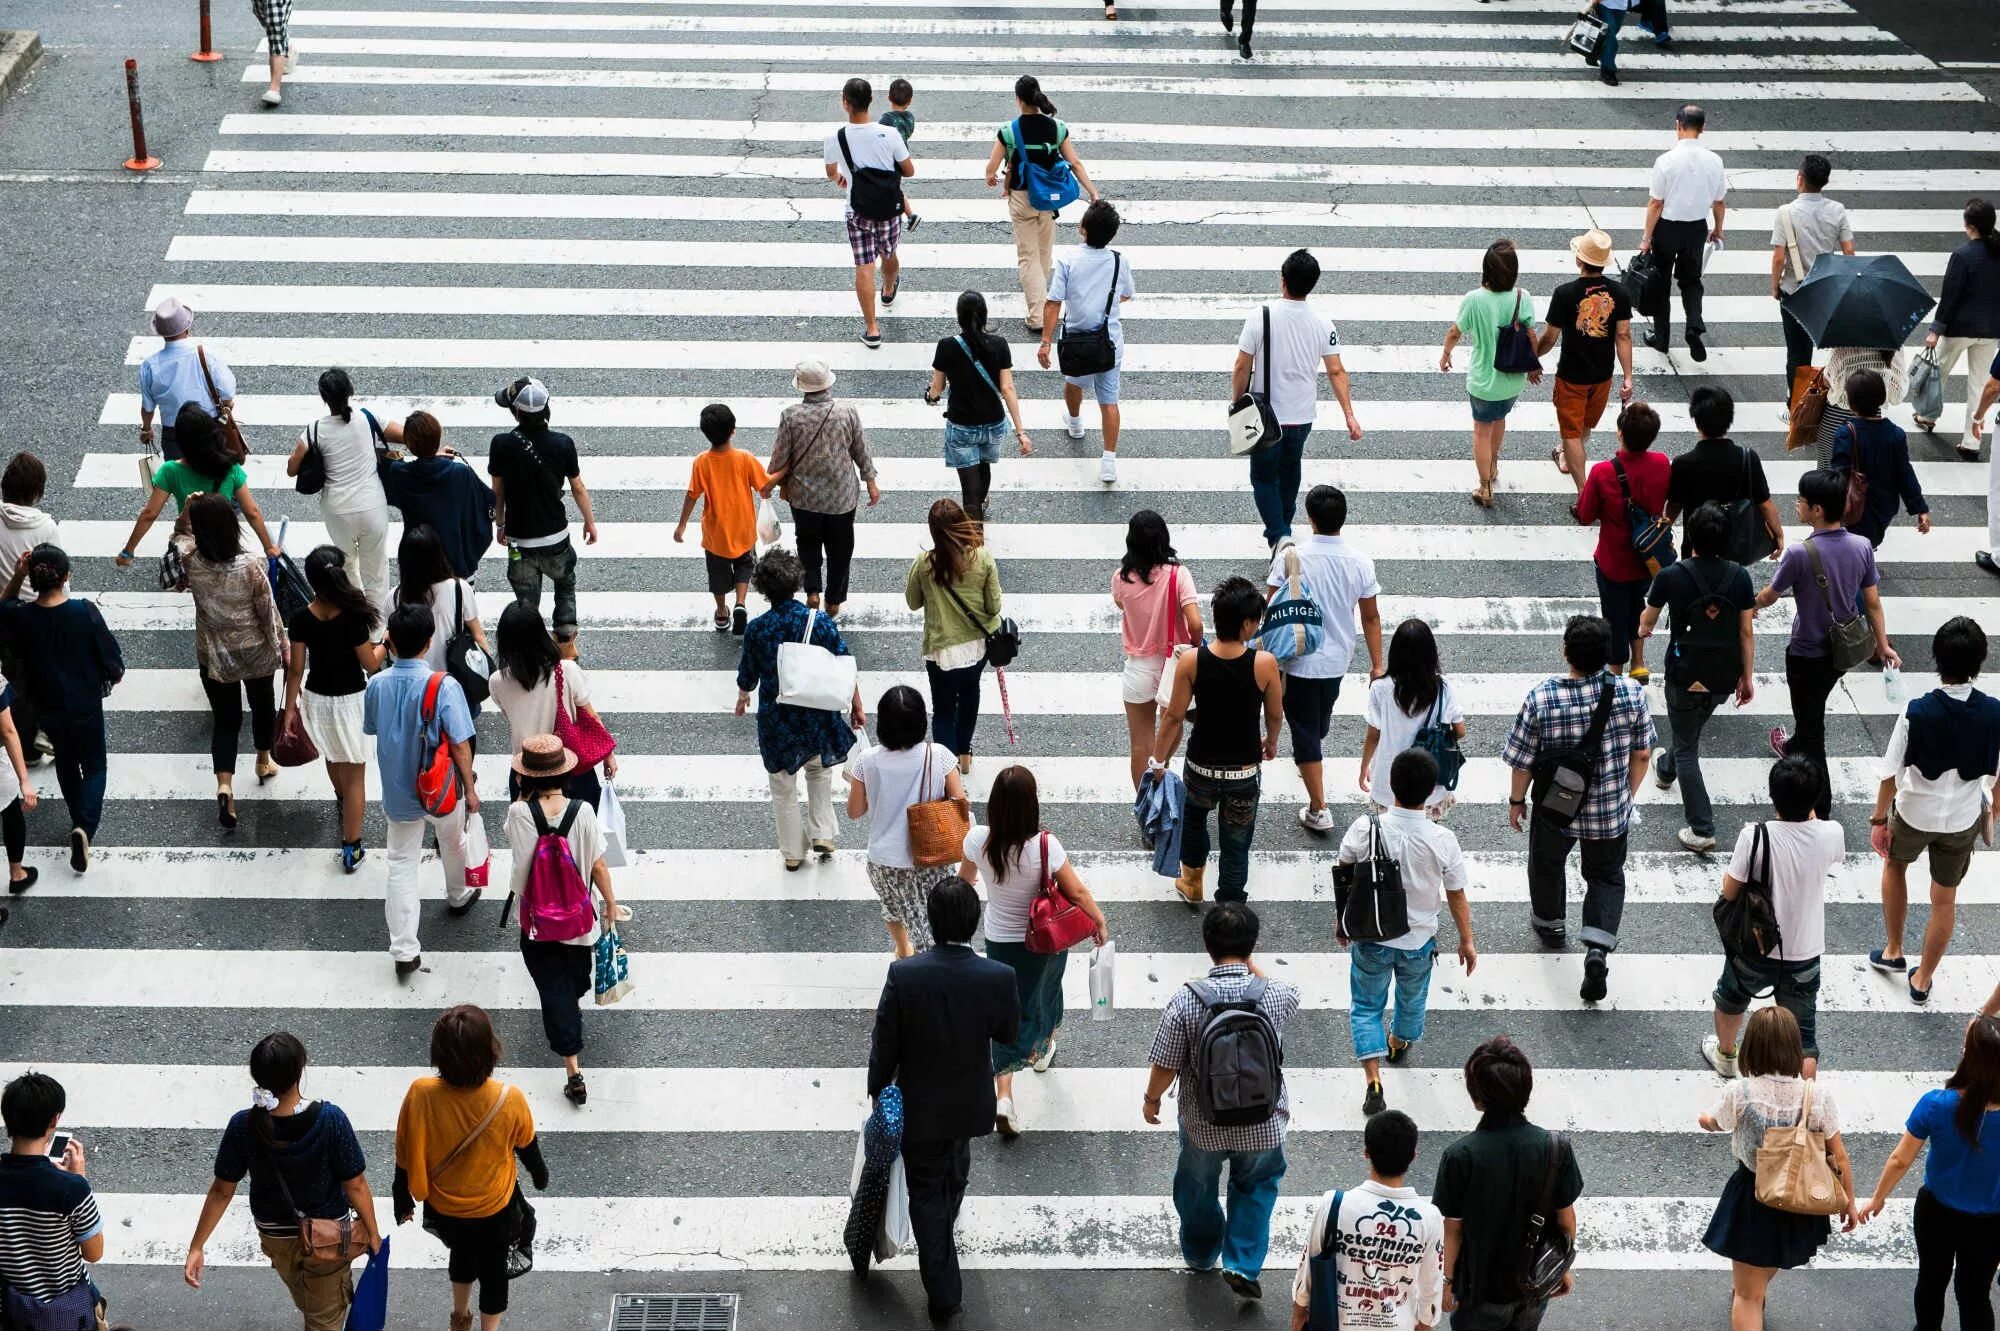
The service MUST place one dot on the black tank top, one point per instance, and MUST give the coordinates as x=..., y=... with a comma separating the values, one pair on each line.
x=1228, y=708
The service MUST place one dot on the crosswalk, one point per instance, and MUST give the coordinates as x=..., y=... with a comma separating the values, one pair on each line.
x=624, y=197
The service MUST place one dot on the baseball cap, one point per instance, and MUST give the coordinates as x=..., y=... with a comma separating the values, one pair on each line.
x=524, y=395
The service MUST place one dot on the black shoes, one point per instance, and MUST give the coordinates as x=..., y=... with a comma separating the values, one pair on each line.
x=1228, y=25
x=466, y=905
x=1608, y=77
x=575, y=1091
x=1657, y=341
x=1985, y=560
x=739, y=619
x=405, y=969
x=79, y=850
x=1596, y=969
x=29, y=873
x=1695, y=347
x=1374, y=1102
x=1245, y=1287
x=1243, y=49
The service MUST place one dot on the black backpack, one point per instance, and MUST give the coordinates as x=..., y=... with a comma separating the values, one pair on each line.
x=1705, y=652
x=1563, y=775
x=877, y=194
x=1368, y=898
x=1239, y=1066
x=1748, y=925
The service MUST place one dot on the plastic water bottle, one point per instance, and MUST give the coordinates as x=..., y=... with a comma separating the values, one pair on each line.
x=1892, y=683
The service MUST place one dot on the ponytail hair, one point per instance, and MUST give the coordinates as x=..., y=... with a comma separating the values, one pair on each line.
x=1980, y=217
x=326, y=574
x=335, y=388
x=1028, y=89
x=971, y=313
x=276, y=1065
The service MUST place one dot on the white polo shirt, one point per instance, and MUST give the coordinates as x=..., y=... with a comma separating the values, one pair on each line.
x=1340, y=577
x=1301, y=340
x=1688, y=181
x=1432, y=866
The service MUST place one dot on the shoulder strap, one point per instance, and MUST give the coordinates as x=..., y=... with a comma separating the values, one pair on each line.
x=1375, y=837
x=374, y=426
x=977, y=364
x=1016, y=148
x=1515, y=317
x=1624, y=482
x=812, y=613
x=847, y=153
x=568, y=818
x=1329, y=1242
x=1253, y=991
x=1204, y=993
x=542, y=827
x=428, y=712
x=1854, y=449
x=277, y=1172
x=1819, y=576
x=1048, y=882
x=312, y=435
x=1747, y=455
x=1798, y=260
x=1600, y=717
x=1267, y=353
x=458, y=602
x=952, y=592
x=473, y=1135
x=201, y=354
x=1111, y=296
x=1558, y=1145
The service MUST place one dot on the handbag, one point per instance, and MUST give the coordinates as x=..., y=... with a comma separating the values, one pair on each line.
x=463, y=656
x=1253, y=423
x=1369, y=903
x=149, y=466
x=173, y=568
x=1322, y=1269
x=1749, y=541
x=1651, y=536
x=370, y=1309
x=1055, y=923
x=311, y=478
x=1435, y=738
x=1748, y=923
x=1549, y=1251
x=225, y=414
x=1646, y=284
x=1856, y=503
x=1003, y=640
x=937, y=827
x=1793, y=1173
x=582, y=733
x=293, y=747
x=341, y=1239
x=811, y=676
x=610, y=967
x=1925, y=390
x=1514, y=345
x=1585, y=34
x=1808, y=406
x=1090, y=350
x=1849, y=641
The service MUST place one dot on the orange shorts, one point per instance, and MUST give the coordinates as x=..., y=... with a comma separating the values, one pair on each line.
x=1579, y=407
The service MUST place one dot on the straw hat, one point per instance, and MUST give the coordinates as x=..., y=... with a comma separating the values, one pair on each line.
x=1593, y=248
x=544, y=755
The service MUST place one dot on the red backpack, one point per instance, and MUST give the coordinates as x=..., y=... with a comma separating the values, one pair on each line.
x=437, y=779
x=555, y=901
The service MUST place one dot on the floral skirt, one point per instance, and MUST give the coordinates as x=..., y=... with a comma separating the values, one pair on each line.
x=1038, y=979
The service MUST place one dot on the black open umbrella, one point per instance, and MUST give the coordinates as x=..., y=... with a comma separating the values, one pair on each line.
x=1857, y=300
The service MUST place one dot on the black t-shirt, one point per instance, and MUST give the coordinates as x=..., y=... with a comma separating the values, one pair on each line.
x=972, y=402
x=332, y=669
x=1588, y=311
x=532, y=468
x=1492, y=1181
x=1674, y=588
x=1043, y=136
x=1713, y=470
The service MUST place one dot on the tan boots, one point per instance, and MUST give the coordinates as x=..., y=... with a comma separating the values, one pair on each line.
x=1189, y=883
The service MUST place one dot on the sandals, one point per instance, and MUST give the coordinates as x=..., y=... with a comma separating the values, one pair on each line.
x=889, y=293
x=1111, y=12
x=575, y=1091
x=1556, y=456
x=722, y=621
x=1483, y=495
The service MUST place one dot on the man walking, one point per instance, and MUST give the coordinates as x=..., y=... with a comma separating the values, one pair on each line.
x=49, y=1222
x=178, y=373
x=1592, y=318
x=1801, y=231
x=1249, y=22
x=1301, y=341
x=1094, y=280
x=1689, y=193
x=868, y=161
x=1719, y=471
x=1587, y=735
x=1233, y=1021
x=1388, y=1243
x=529, y=465
x=941, y=1013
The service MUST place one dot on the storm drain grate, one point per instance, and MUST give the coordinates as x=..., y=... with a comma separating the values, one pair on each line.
x=673, y=1312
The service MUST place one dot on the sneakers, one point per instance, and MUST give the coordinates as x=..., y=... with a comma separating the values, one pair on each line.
x=79, y=850
x=462, y=908
x=739, y=619
x=1244, y=1286
x=1042, y=1062
x=1695, y=841
x=1005, y=1118
x=1780, y=741
x=351, y=855
x=1887, y=965
x=1073, y=426
x=1921, y=997
x=1711, y=1049
x=1107, y=469
x=1317, y=821
x=1189, y=883
x=1374, y=1102
x=271, y=97
x=1663, y=777
x=1596, y=968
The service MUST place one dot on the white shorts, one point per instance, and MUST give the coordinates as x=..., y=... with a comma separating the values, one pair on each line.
x=1142, y=678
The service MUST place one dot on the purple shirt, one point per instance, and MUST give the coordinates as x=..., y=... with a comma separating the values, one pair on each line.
x=1850, y=567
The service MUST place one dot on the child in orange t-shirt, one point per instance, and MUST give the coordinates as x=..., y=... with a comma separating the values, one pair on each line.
x=726, y=481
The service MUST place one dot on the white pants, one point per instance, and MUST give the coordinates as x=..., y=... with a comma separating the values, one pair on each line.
x=819, y=809
x=364, y=538
x=1980, y=352
x=403, y=902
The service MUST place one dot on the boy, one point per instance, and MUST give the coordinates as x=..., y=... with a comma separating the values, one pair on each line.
x=1390, y=1253
x=1882, y=451
x=1432, y=869
x=726, y=479
x=898, y=118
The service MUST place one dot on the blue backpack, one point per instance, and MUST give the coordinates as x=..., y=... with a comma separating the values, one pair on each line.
x=1293, y=626
x=1048, y=187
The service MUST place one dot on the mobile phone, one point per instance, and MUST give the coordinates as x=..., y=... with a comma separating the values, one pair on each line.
x=59, y=1146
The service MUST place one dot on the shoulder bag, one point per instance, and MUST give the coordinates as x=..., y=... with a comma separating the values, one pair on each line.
x=811, y=676
x=1549, y=1251
x=581, y=732
x=1091, y=350
x=1748, y=925
x=1748, y=540
x=877, y=193
x=225, y=415
x=1055, y=923
x=1857, y=479
x=311, y=478
x=1436, y=739
x=1253, y=423
x=938, y=826
x=1849, y=641
x=1650, y=535
x=1563, y=775
x=1323, y=1313
x=469, y=665
x=1003, y=640
x=1793, y=1172
x=1514, y=344
x=341, y=1240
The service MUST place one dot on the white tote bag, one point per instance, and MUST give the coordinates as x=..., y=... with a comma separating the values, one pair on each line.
x=811, y=676
x=611, y=821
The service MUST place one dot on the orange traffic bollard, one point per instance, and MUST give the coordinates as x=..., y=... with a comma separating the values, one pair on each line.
x=139, y=161
x=207, y=51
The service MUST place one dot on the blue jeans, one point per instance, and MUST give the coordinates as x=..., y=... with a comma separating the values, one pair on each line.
x=80, y=765
x=1687, y=713
x=1607, y=48
x=1274, y=480
x=1370, y=967
x=1241, y=1237
x=1235, y=805
x=954, y=705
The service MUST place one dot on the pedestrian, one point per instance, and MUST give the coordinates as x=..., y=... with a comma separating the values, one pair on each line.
x=1411, y=696
x=1094, y=287
x=940, y=1015
x=1887, y=363
x=1957, y=1220
x=1789, y=861
x=1592, y=318
x=1880, y=451
x=479, y=1127
x=1605, y=57
x=725, y=481
x=1497, y=302
x=791, y=739
x=23, y=526
x=69, y=664
x=304, y=1163
x=17, y=800
x=529, y=465
x=1343, y=585
x=426, y=581
x=1588, y=734
x=1020, y=860
x=820, y=450
x=437, y=488
x=1387, y=1242
x=1718, y=470
x=351, y=500
x=49, y=1222
x=524, y=687
x=1035, y=139
x=333, y=652
x=902, y=770
x=1433, y=875
x=1187, y=1047
x=1301, y=342
x=900, y=118
x=1934, y=800
x=1967, y=319
x=1159, y=612
x=180, y=372
x=1711, y=656
x=869, y=162
x=1249, y=23
x=1802, y=230
x=1685, y=210
x=978, y=366
x=957, y=586
x=204, y=467
x=1830, y=574
x=1758, y=1239
x=559, y=962
x=1225, y=684
x=1635, y=477
x=1489, y=1189
x=276, y=16
x=407, y=735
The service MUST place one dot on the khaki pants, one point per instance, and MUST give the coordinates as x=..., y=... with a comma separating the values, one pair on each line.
x=1978, y=353
x=818, y=821
x=1034, y=249
x=322, y=1287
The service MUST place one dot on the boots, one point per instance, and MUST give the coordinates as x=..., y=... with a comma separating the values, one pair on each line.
x=1189, y=883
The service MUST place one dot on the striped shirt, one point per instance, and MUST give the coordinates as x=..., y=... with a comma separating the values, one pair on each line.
x=46, y=1213
x=1174, y=1047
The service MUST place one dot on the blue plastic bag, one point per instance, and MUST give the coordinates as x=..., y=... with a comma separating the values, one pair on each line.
x=370, y=1309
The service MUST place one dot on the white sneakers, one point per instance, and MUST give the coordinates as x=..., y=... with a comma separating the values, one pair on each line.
x=1696, y=842
x=1711, y=1049
x=272, y=97
x=1073, y=426
x=1320, y=822
x=1661, y=779
x=1107, y=469
x=1005, y=1119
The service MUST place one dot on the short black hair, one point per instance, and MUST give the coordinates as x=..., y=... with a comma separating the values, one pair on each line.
x=1692, y=116
x=718, y=424
x=1638, y=427
x=1390, y=1138
x=1705, y=531
x=1865, y=392
x=778, y=575
x=1300, y=274
x=410, y=630
x=1229, y=930
x=900, y=92
x=25, y=480
x=1326, y=509
x=900, y=718
x=1235, y=604
x=31, y=1104
x=1959, y=649
x=1712, y=410
x=1826, y=491
x=1412, y=778
x=1794, y=787
x=1816, y=170
x=1586, y=643
x=1499, y=1078
x=1099, y=224
x=857, y=94
x=953, y=908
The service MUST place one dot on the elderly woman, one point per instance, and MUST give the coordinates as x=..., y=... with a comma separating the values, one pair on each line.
x=793, y=738
x=819, y=451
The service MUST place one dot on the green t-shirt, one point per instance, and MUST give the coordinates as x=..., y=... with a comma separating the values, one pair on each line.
x=1481, y=316
x=184, y=482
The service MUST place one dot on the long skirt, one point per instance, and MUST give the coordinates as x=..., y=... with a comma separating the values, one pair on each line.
x=1038, y=979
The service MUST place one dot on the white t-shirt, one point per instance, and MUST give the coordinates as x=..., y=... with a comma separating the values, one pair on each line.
x=869, y=145
x=1432, y=866
x=586, y=847
x=532, y=712
x=444, y=617
x=1081, y=282
x=1948, y=804
x=1688, y=181
x=1802, y=855
x=896, y=779
x=1341, y=577
x=1390, y=1258
x=1302, y=338
x=1748, y=1107
x=352, y=485
x=1008, y=898
x=1399, y=731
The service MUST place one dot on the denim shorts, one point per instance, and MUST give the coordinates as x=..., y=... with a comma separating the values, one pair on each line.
x=970, y=445
x=1486, y=412
x=1104, y=387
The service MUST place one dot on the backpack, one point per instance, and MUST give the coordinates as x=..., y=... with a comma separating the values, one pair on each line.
x=1563, y=775
x=1369, y=903
x=1748, y=925
x=1705, y=651
x=555, y=901
x=1048, y=187
x=1652, y=537
x=877, y=194
x=1239, y=1066
x=1748, y=541
x=437, y=778
x=1293, y=626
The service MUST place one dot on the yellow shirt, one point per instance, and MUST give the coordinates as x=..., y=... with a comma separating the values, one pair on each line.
x=435, y=1118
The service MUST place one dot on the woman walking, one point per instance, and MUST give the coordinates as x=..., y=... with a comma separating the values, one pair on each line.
x=334, y=650
x=427, y=580
x=276, y=16
x=202, y=468
x=17, y=800
x=1635, y=475
x=978, y=368
x=304, y=1162
x=1888, y=362
x=957, y=586
x=1957, y=1219
x=1492, y=306
x=1967, y=319
x=457, y=1138
x=1035, y=137
x=1159, y=611
x=524, y=683
x=1761, y=1240
x=1412, y=695
x=794, y=739
x=236, y=642
x=351, y=500
x=820, y=450
x=883, y=783
x=1017, y=857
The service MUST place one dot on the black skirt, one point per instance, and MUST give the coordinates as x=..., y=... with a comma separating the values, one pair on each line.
x=1743, y=1229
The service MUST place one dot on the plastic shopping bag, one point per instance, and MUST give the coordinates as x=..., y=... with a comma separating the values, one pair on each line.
x=1103, y=964
x=611, y=968
x=894, y=1236
x=370, y=1309
x=478, y=856
x=769, y=530
x=611, y=821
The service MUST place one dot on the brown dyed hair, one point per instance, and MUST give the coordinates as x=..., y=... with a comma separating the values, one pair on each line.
x=423, y=434
x=464, y=1048
x=954, y=537
x=1013, y=818
x=25, y=480
x=1771, y=1045
x=1501, y=267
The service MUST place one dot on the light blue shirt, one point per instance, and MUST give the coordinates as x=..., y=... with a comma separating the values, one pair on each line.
x=172, y=375
x=1082, y=278
x=391, y=712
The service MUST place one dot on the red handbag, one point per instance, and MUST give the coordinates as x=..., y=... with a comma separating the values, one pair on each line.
x=293, y=747
x=1055, y=923
x=583, y=734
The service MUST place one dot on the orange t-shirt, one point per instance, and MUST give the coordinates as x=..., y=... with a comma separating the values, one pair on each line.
x=724, y=478
x=435, y=1118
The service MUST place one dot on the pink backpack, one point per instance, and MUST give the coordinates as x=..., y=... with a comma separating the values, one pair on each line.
x=555, y=901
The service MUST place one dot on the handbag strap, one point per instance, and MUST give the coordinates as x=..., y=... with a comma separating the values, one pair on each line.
x=852, y=169
x=208, y=378
x=476, y=1132
x=1111, y=296
x=1329, y=1242
x=1267, y=353
x=1624, y=481
x=977, y=365
x=1048, y=882
x=1558, y=1144
x=277, y=1172
x=1819, y=576
x=952, y=592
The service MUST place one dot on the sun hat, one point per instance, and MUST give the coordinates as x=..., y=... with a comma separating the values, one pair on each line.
x=544, y=755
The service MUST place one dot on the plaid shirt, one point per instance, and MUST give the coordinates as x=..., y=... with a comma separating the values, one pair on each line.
x=820, y=446
x=1557, y=714
x=1174, y=1045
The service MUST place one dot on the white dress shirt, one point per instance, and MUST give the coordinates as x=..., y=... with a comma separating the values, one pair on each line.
x=1688, y=181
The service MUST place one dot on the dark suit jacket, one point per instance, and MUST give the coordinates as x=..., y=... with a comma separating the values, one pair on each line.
x=940, y=1012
